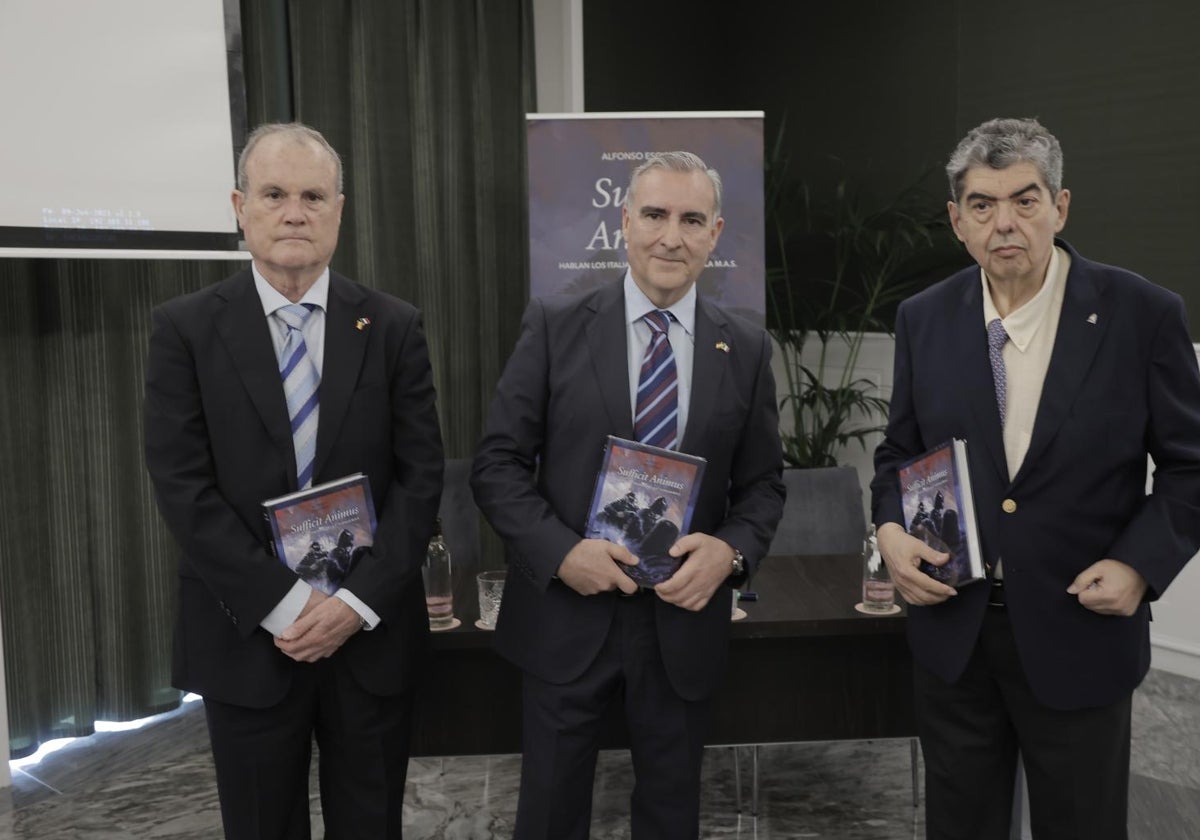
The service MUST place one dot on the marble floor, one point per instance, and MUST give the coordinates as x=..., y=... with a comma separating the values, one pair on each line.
x=157, y=782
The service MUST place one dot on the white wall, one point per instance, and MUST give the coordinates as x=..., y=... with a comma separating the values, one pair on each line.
x=558, y=55
x=1175, y=632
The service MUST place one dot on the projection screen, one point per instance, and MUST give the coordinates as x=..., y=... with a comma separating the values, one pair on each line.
x=121, y=119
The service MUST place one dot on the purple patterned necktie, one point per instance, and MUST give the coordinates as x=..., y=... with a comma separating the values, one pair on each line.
x=656, y=419
x=996, y=339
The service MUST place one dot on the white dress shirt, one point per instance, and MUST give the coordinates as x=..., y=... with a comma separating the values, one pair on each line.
x=1031, y=330
x=288, y=610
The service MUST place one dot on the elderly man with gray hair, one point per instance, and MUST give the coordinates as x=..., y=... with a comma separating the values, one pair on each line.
x=283, y=377
x=1069, y=373
x=641, y=357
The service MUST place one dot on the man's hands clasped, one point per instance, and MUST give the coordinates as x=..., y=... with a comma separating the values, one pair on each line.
x=592, y=567
x=324, y=625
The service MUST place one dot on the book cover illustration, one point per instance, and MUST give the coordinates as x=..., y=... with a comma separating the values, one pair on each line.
x=644, y=500
x=319, y=533
x=938, y=510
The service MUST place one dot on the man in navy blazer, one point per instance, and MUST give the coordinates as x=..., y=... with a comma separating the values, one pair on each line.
x=578, y=627
x=1092, y=370
x=276, y=660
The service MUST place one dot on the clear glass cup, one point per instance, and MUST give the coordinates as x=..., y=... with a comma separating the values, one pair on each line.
x=491, y=588
x=878, y=591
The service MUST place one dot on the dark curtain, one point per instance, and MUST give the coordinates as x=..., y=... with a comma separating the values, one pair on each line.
x=425, y=100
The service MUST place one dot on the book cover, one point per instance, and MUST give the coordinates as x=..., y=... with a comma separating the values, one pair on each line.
x=644, y=500
x=938, y=509
x=319, y=533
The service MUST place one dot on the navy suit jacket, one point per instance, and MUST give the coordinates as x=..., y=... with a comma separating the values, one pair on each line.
x=1122, y=383
x=218, y=442
x=564, y=390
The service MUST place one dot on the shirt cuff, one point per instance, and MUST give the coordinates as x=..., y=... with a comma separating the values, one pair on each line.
x=288, y=610
x=370, y=618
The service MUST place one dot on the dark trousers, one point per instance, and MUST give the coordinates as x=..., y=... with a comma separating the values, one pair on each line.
x=1076, y=762
x=262, y=759
x=561, y=734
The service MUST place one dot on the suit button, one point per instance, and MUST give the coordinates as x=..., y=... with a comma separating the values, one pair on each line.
x=1009, y=506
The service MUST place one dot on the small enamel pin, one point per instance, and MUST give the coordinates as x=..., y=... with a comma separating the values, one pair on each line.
x=1091, y=319
x=722, y=346
x=362, y=323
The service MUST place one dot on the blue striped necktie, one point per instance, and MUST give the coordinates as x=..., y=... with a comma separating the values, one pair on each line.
x=656, y=419
x=997, y=336
x=300, y=384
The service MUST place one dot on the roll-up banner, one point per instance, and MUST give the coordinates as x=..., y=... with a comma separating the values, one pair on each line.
x=579, y=168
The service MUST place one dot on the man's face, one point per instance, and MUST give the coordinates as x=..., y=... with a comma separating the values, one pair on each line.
x=291, y=211
x=1007, y=219
x=669, y=230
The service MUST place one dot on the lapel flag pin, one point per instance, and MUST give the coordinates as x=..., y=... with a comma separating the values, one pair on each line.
x=1092, y=318
x=362, y=323
x=722, y=346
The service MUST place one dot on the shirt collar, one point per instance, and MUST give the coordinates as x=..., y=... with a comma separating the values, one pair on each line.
x=637, y=305
x=271, y=299
x=1022, y=324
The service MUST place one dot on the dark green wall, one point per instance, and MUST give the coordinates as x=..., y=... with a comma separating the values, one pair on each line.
x=888, y=88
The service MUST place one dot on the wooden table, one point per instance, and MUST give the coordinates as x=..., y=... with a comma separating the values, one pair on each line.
x=804, y=666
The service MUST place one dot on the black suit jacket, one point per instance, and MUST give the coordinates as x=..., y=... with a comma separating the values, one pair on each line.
x=218, y=442
x=564, y=390
x=1122, y=382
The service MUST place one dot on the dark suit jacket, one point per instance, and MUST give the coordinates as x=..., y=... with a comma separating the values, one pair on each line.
x=1116, y=389
x=218, y=442
x=565, y=388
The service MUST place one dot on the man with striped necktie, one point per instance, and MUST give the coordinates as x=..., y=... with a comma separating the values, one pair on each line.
x=643, y=358
x=284, y=376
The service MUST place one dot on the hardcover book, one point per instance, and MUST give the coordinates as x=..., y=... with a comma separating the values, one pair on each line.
x=320, y=533
x=644, y=500
x=938, y=509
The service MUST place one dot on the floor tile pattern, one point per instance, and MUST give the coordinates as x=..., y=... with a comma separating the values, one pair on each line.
x=157, y=782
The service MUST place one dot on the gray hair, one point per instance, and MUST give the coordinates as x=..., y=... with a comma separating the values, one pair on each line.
x=1001, y=143
x=679, y=162
x=298, y=132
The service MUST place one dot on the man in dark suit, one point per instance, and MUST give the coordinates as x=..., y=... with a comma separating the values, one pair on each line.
x=582, y=632
x=1089, y=369
x=276, y=660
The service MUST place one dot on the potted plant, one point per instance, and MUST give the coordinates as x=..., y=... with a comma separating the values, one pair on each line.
x=837, y=269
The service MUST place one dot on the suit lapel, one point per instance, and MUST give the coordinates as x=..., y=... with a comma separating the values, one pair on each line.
x=609, y=352
x=1081, y=327
x=244, y=330
x=979, y=391
x=345, y=346
x=709, y=364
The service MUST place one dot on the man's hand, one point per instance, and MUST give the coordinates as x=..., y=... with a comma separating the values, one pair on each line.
x=903, y=554
x=1109, y=587
x=591, y=567
x=320, y=630
x=315, y=597
x=709, y=562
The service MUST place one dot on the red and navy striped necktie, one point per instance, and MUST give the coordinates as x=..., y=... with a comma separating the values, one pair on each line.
x=656, y=420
